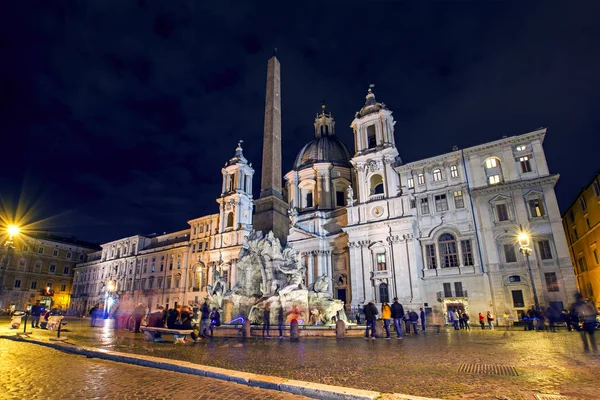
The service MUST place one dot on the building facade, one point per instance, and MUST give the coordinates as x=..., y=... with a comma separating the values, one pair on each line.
x=581, y=222
x=40, y=267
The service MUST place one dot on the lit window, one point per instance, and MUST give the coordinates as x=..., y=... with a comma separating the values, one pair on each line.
x=525, y=164
x=509, y=253
x=551, y=281
x=424, y=206
x=421, y=179
x=454, y=171
x=448, y=251
x=521, y=147
x=437, y=175
x=441, y=203
x=494, y=179
x=459, y=201
x=430, y=254
x=536, y=208
x=491, y=163
x=410, y=183
x=381, y=266
x=545, y=253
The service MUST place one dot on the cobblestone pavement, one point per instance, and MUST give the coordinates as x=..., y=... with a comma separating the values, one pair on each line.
x=422, y=365
x=35, y=372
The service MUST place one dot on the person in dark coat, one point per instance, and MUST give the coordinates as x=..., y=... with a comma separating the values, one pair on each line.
x=185, y=316
x=266, y=320
x=215, y=319
x=586, y=312
x=173, y=318
x=422, y=316
x=280, y=320
x=157, y=320
x=93, y=315
x=138, y=315
x=397, y=315
x=36, y=312
x=370, y=317
x=205, y=318
x=414, y=320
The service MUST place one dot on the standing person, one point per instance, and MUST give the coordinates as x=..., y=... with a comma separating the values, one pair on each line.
x=414, y=320
x=587, y=315
x=490, y=320
x=138, y=315
x=482, y=321
x=386, y=316
x=552, y=318
x=461, y=320
x=36, y=311
x=422, y=316
x=266, y=320
x=370, y=316
x=566, y=318
x=455, y=319
x=215, y=320
x=466, y=321
x=93, y=315
x=204, y=318
x=280, y=320
x=397, y=315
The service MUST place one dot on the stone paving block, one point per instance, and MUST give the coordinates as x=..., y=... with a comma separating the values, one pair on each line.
x=326, y=392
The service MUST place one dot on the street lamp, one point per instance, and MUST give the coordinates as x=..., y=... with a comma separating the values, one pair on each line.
x=524, y=248
x=12, y=230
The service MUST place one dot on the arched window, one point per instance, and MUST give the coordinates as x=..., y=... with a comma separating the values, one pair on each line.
x=230, y=220
x=448, y=251
x=384, y=294
x=371, y=137
x=376, y=184
x=437, y=174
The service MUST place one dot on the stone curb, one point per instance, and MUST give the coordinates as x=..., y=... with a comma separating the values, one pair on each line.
x=303, y=388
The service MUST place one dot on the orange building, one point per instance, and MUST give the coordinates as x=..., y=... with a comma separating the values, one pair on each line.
x=581, y=222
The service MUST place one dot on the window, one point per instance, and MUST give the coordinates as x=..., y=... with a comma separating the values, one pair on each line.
x=162, y=267
x=582, y=265
x=525, y=164
x=63, y=288
x=458, y=289
x=518, y=301
x=193, y=249
x=491, y=163
x=340, y=199
x=430, y=256
x=467, y=252
x=371, y=137
x=536, y=208
x=69, y=255
x=225, y=275
x=55, y=253
x=309, y=199
x=448, y=251
x=66, y=270
x=421, y=179
x=494, y=179
x=596, y=186
x=447, y=290
x=376, y=184
x=41, y=250
x=582, y=203
x=17, y=283
x=509, y=253
x=34, y=285
x=551, y=281
x=571, y=216
x=384, y=294
x=159, y=282
x=437, y=175
x=459, y=201
x=410, y=183
x=575, y=234
x=231, y=182
x=424, y=206
x=441, y=203
x=502, y=212
x=81, y=257
x=454, y=171
x=230, y=220
x=545, y=253
x=521, y=147
x=514, y=279
x=381, y=262
x=52, y=268
x=413, y=203
x=171, y=266
x=587, y=221
x=595, y=253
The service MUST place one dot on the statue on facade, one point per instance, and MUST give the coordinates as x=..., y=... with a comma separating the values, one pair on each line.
x=350, y=196
x=293, y=215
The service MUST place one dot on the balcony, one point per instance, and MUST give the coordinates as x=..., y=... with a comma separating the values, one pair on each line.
x=381, y=274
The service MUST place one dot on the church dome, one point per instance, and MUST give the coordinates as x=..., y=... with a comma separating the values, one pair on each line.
x=325, y=147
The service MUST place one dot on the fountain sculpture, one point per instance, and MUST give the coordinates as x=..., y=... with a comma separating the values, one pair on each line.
x=268, y=274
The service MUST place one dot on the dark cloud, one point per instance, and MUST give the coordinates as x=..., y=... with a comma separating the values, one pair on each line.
x=118, y=116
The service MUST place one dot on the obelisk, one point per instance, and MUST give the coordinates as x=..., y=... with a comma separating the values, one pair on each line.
x=270, y=207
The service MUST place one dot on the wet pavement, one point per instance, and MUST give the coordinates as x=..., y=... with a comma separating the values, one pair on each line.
x=29, y=371
x=423, y=365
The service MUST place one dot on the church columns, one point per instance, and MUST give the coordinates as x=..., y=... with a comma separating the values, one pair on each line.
x=233, y=272
x=311, y=267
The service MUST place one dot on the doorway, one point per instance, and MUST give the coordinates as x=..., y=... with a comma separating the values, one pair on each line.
x=341, y=295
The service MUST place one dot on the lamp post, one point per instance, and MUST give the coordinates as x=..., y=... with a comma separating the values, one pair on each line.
x=526, y=250
x=12, y=230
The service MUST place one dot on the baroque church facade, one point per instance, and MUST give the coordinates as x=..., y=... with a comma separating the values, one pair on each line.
x=438, y=233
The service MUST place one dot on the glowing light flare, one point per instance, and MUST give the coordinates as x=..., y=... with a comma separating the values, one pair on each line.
x=13, y=230
x=523, y=239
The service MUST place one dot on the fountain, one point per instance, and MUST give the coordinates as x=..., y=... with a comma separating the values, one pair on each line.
x=268, y=274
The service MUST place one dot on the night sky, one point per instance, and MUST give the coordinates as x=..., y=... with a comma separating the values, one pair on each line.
x=117, y=116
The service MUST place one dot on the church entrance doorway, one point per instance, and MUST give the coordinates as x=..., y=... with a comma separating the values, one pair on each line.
x=341, y=295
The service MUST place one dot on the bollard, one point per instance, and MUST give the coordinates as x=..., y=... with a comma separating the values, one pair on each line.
x=246, y=329
x=379, y=328
x=58, y=338
x=294, y=332
x=340, y=329
x=25, y=325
